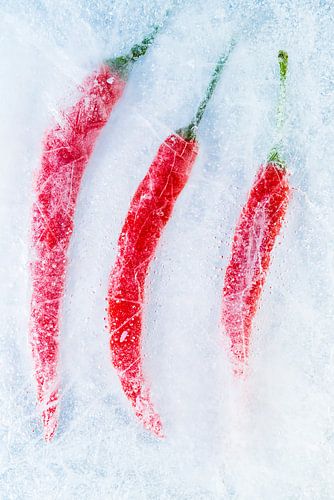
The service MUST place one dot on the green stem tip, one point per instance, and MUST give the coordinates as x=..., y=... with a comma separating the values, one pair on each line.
x=189, y=132
x=122, y=64
x=275, y=155
x=283, y=64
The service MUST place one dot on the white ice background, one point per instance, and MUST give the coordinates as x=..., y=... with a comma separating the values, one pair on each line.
x=270, y=437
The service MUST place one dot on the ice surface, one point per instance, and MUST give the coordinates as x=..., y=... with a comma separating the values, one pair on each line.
x=270, y=437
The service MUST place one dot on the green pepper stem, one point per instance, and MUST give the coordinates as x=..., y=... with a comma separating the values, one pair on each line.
x=189, y=132
x=275, y=153
x=123, y=64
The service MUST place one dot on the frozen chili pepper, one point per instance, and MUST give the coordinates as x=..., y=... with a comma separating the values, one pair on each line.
x=254, y=238
x=67, y=147
x=149, y=212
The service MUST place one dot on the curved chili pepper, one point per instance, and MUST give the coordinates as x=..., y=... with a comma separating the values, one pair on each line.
x=254, y=238
x=67, y=148
x=149, y=212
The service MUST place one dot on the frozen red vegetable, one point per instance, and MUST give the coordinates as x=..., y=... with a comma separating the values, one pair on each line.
x=150, y=209
x=67, y=148
x=258, y=227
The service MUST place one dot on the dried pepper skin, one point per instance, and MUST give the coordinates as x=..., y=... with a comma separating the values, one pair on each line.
x=67, y=148
x=149, y=212
x=254, y=238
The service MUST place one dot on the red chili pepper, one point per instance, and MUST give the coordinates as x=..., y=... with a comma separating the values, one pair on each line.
x=149, y=212
x=67, y=148
x=258, y=227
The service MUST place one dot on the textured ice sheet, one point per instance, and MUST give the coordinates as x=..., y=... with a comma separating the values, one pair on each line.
x=271, y=437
